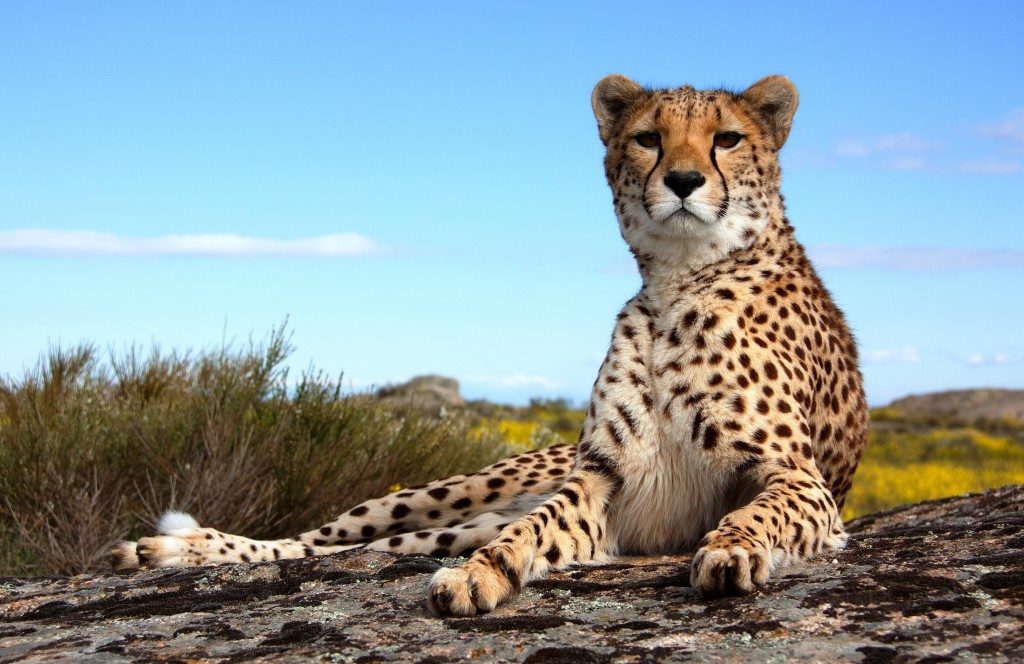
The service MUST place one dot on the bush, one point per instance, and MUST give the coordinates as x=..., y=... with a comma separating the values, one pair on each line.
x=91, y=451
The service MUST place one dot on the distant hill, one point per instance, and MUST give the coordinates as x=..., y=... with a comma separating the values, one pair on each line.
x=433, y=392
x=965, y=405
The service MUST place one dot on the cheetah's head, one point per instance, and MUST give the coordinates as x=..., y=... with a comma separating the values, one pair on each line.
x=694, y=174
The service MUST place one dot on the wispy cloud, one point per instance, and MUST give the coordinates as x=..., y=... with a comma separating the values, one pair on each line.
x=852, y=148
x=904, y=355
x=1010, y=127
x=517, y=381
x=990, y=359
x=990, y=166
x=35, y=241
x=904, y=151
x=907, y=164
x=906, y=142
x=1009, y=133
x=914, y=258
x=907, y=151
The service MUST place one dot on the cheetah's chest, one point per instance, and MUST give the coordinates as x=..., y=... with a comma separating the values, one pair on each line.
x=672, y=495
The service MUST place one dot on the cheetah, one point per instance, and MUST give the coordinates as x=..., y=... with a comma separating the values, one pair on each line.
x=728, y=416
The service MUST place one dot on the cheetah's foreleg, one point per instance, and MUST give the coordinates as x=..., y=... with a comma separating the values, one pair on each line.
x=570, y=527
x=793, y=518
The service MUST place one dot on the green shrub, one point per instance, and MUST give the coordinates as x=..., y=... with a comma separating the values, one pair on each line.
x=92, y=451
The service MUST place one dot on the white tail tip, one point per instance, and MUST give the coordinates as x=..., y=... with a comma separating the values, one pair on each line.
x=175, y=521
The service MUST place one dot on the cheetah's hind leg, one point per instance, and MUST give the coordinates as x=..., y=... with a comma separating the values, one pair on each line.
x=458, y=507
x=182, y=542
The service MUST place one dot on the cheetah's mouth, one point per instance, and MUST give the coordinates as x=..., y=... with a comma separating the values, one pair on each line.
x=679, y=216
x=683, y=214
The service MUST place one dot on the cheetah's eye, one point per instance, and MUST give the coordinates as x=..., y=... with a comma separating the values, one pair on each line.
x=649, y=139
x=727, y=139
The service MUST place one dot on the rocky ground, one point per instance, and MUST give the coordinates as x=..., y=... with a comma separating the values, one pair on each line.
x=935, y=582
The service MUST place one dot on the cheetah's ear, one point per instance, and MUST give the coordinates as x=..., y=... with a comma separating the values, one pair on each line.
x=774, y=99
x=613, y=96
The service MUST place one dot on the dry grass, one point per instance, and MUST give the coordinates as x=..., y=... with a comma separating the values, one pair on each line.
x=92, y=451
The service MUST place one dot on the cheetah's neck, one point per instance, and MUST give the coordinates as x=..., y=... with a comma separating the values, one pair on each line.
x=669, y=270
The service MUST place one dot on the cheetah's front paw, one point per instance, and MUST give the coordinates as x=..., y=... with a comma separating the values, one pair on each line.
x=467, y=590
x=726, y=568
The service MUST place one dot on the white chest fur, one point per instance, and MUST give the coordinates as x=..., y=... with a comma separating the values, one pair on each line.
x=669, y=500
x=671, y=493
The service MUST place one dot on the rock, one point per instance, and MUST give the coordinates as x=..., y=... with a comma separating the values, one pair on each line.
x=429, y=393
x=965, y=406
x=934, y=582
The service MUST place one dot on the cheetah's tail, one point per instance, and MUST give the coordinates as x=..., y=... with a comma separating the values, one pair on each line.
x=171, y=520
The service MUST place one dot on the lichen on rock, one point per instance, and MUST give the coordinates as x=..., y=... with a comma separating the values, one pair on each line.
x=938, y=581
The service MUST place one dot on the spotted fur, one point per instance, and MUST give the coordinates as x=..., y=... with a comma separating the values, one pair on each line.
x=728, y=415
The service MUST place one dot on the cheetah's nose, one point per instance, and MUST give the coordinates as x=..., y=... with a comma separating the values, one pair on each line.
x=683, y=182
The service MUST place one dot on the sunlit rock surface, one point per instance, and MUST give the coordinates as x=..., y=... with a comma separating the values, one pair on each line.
x=935, y=582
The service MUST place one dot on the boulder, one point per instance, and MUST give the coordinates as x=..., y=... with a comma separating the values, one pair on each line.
x=429, y=393
x=934, y=582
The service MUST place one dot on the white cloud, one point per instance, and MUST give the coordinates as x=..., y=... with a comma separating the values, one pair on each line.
x=904, y=355
x=907, y=151
x=92, y=243
x=517, y=381
x=907, y=164
x=1009, y=133
x=906, y=142
x=1011, y=127
x=852, y=148
x=990, y=166
x=900, y=144
x=983, y=359
x=914, y=258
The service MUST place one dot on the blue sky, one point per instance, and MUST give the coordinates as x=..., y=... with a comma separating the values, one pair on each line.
x=417, y=187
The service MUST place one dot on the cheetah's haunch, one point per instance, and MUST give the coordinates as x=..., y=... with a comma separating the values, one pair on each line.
x=728, y=415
